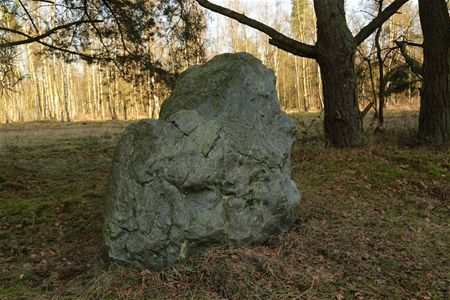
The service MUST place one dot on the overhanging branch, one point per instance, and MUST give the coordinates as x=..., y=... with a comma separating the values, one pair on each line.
x=277, y=38
x=30, y=39
x=293, y=50
x=367, y=30
x=119, y=28
x=29, y=16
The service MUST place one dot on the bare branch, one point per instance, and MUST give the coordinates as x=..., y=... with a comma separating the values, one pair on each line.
x=167, y=77
x=119, y=28
x=412, y=44
x=414, y=65
x=30, y=39
x=277, y=38
x=45, y=1
x=99, y=34
x=367, y=109
x=382, y=17
x=29, y=16
x=293, y=50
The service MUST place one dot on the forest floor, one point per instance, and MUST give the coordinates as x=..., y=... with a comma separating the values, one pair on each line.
x=374, y=222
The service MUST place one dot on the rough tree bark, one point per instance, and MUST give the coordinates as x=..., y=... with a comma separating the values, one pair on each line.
x=335, y=52
x=434, y=118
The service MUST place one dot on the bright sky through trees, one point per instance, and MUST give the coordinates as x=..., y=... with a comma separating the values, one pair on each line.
x=357, y=17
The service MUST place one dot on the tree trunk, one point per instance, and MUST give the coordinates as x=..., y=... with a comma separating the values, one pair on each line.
x=58, y=97
x=125, y=109
x=5, y=106
x=94, y=92
x=434, y=118
x=100, y=78
x=381, y=81
x=305, y=85
x=66, y=93
x=90, y=106
x=336, y=52
x=47, y=92
x=116, y=97
x=297, y=83
x=320, y=88
x=35, y=83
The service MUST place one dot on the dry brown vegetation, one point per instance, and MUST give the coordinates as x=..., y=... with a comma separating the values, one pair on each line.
x=374, y=222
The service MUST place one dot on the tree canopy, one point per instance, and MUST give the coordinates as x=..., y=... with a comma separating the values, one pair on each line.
x=121, y=31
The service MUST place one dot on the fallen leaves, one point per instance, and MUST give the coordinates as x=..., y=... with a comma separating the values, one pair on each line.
x=340, y=295
x=362, y=239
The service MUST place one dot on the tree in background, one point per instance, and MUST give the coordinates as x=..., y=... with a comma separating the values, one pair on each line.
x=381, y=79
x=303, y=27
x=434, y=118
x=101, y=45
x=383, y=75
x=121, y=31
x=9, y=74
x=335, y=52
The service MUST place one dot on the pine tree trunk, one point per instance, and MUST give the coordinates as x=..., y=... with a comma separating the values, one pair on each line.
x=336, y=47
x=434, y=118
x=65, y=93
x=320, y=88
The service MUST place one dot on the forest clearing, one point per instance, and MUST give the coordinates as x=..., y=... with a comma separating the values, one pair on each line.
x=374, y=222
x=224, y=149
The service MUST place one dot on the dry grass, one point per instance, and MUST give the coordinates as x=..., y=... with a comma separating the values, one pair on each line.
x=374, y=222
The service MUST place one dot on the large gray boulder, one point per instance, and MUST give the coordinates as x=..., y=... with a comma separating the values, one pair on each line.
x=215, y=169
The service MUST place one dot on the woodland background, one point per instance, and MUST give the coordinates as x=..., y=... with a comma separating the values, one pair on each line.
x=374, y=219
x=42, y=83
